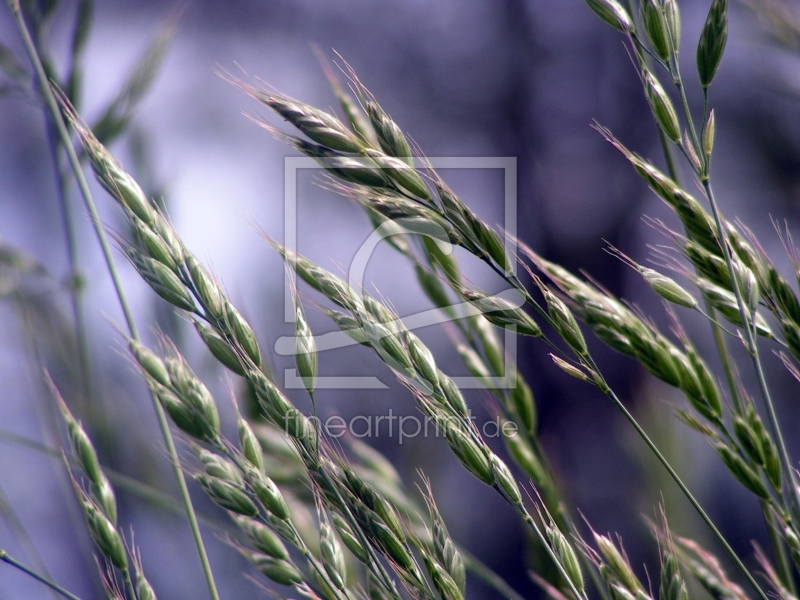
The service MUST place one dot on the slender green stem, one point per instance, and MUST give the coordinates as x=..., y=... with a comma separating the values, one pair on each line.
x=52, y=105
x=788, y=486
x=703, y=515
x=126, y=576
x=53, y=586
x=779, y=547
x=724, y=356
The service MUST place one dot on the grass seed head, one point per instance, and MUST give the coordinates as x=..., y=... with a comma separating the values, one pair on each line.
x=662, y=107
x=228, y=496
x=241, y=331
x=206, y=288
x=442, y=581
x=149, y=362
x=218, y=467
x=655, y=23
x=220, y=348
x=712, y=41
x=668, y=288
x=332, y=556
x=617, y=563
x=262, y=537
x=502, y=313
x=505, y=480
x=104, y=535
x=743, y=473
x=453, y=395
x=249, y=445
x=390, y=136
x=349, y=539
x=267, y=493
x=567, y=556
x=305, y=349
x=280, y=571
x=612, y=13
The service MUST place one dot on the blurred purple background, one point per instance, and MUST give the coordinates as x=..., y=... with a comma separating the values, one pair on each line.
x=479, y=78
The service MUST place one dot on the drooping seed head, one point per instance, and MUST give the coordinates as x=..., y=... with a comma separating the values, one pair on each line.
x=505, y=480
x=206, y=288
x=281, y=572
x=390, y=136
x=305, y=349
x=241, y=331
x=565, y=322
x=668, y=288
x=219, y=467
x=104, y=535
x=567, y=556
x=268, y=493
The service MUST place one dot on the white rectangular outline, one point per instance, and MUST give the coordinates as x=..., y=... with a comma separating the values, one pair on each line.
x=292, y=164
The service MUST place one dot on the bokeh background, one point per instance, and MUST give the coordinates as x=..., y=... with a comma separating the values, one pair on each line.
x=510, y=78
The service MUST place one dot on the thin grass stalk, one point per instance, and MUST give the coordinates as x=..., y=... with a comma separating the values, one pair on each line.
x=90, y=205
x=22, y=536
x=703, y=515
x=4, y=557
x=75, y=286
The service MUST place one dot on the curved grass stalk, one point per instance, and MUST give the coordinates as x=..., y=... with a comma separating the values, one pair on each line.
x=6, y=558
x=90, y=205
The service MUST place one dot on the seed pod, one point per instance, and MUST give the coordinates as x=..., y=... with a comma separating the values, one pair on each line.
x=472, y=456
x=490, y=343
x=725, y=302
x=612, y=13
x=219, y=467
x=672, y=584
x=281, y=572
x=661, y=106
x=151, y=364
x=122, y=187
x=673, y=16
x=242, y=333
x=248, y=442
x=453, y=395
x=505, y=480
x=200, y=401
x=220, y=348
x=155, y=247
x=708, y=135
x=747, y=284
x=444, y=584
x=103, y=494
x=305, y=349
x=264, y=540
x=712, y=41
x=183, y=416
x=668, y=288
x=565, y=323
x=394, y=548
x=348, y=325
x=423, y=360
x=524, y=403
x=390, y=136
x=502, y=313
x=104, y=535
x=746, y=476
x=228, y=496
x=654, y=19
x=162, y=280
x=570, y=369
x=772, y=466
x=332, y=556
x=708, y=384
x=617, y=563
x=566, y=555
x=267, y=493
x=206, y=289
x=489, y=241
x=783, y=294
x=401, y=174
x=748, y=440
x=144, y=591
x=349, y=539
x=318, y=125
